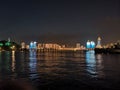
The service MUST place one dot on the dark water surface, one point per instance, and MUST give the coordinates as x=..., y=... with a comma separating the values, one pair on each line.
x=62, y=71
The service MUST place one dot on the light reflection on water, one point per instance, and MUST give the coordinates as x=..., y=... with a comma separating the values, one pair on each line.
x=94, y=64
x=91, y=63
x=33, y=64
x=33, y=61
x=13, y=61
x=100, y=66
x=38, y=66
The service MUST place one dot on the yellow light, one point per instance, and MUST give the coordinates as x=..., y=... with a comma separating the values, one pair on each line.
x=13, y=47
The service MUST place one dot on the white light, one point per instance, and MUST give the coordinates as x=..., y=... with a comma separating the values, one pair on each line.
x=35, y=42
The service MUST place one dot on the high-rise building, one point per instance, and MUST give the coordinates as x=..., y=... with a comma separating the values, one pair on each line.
x=90, y=44
x=33, y=45
x=23, y=45
x=98, y=43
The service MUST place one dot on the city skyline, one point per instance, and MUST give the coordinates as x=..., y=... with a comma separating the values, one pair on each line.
x=60, y=21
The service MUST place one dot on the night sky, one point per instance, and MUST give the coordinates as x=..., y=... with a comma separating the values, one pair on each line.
x=60, y=21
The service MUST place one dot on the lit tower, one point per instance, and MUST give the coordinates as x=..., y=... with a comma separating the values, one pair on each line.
x=98, y=43
x=8, y=39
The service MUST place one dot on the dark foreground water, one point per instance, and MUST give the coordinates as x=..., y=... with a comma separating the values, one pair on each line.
x=62, y=71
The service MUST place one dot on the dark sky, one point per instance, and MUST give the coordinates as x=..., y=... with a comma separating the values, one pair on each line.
x=60, y=21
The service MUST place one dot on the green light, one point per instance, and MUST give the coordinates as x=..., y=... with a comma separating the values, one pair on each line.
x=1, y=44
x=7, y=43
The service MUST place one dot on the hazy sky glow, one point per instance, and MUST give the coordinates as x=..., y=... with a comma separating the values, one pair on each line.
x=60, y=21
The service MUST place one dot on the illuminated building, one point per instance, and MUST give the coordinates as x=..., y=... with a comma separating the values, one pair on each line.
x=77, y=45
x=32, y=45
x=39, y=46
x=23, y=45
x=27, y=47
x=7, y=45
x=98, y=43
x=52, y=46
x=90, y=44
x=63, y=46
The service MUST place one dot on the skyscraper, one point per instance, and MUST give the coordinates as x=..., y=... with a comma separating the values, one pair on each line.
x=98, y=43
